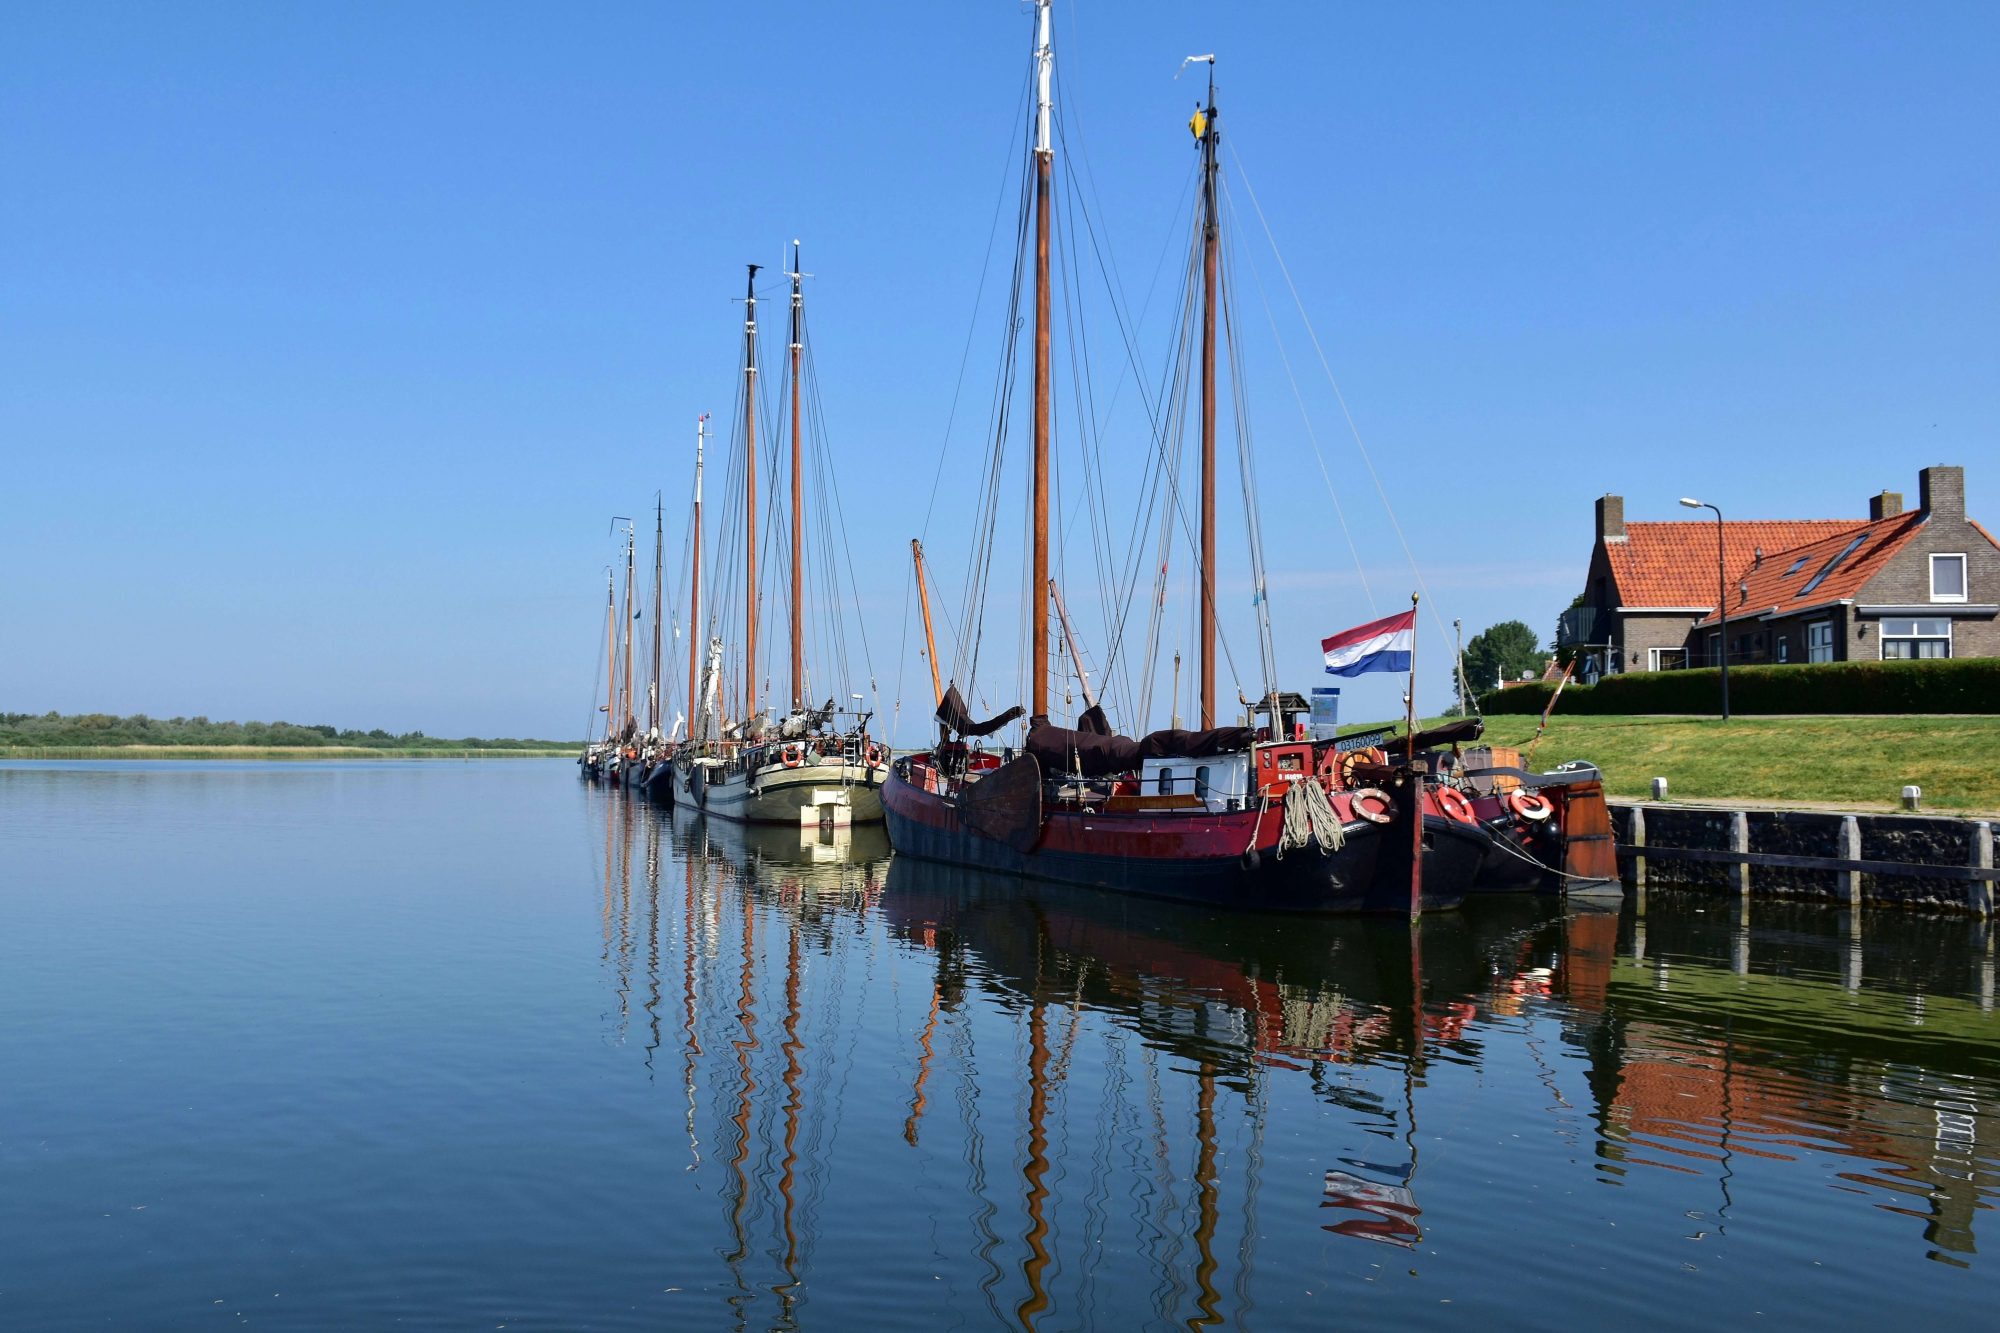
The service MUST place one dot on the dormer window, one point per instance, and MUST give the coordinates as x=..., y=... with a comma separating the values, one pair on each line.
x=1947, y=578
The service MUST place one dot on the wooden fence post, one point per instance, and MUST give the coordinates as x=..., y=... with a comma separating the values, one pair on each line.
x=1639, y=858
x=1850, y=849
x=1979, y=892
x=1739, y=842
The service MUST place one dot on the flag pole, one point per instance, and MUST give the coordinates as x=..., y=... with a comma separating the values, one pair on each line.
x=1416, y=782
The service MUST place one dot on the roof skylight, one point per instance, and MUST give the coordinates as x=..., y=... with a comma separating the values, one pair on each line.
x=1832, y=564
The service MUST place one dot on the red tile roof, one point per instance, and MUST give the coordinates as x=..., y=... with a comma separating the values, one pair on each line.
x=1673, y=564
x=1779, y=583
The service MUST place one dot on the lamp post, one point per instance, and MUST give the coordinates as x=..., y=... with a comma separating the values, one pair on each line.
x=1721, y=602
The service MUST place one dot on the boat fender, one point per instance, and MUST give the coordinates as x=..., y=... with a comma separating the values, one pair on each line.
x=1372, y=804
x=793, y=757
x=1252, y=859
x=1530, y=805
x=1453, y=802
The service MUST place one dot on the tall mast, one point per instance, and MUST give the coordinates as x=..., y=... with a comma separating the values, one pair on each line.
x=625, y=702
x=1209, y=135
x=659, y=546
x=695, y=633
x=750, y=497
x=610, y=654
x=1038, y=574
x=798, y=497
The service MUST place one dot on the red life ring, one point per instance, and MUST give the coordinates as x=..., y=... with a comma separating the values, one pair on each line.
x=1453, y=803
x=1372, y=804
x=792, y=757
x=874, y=755
x=1530, y=805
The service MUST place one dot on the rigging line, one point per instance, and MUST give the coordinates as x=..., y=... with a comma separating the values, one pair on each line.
x=972, y=326
x=1436, y=615
x=1246, y=465
x=1312, y=436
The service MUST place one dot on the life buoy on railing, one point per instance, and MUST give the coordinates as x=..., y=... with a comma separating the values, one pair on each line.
x=1372, y=804
x=874, y=755
x=1530, y=805
x=793, y=756
x=1452, y=801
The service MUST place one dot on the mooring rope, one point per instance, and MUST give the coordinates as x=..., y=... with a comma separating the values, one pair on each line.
x=1309, y=817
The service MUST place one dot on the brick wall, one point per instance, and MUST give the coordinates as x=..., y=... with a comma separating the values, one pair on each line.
x=1640, y=632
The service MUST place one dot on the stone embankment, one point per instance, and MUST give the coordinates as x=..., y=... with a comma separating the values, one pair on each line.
x=1931, y=862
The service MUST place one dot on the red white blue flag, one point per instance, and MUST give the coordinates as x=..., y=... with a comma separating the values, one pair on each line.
x=1379, y=645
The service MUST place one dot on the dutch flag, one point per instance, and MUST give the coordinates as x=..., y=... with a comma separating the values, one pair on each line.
x=1379, y=645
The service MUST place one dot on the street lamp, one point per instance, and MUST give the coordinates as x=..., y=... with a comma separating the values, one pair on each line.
x=1721, y=602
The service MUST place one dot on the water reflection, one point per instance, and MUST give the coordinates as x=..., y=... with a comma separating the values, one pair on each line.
x=1076, y=1104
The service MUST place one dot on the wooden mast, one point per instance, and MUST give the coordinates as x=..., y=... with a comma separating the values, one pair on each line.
x=625, y=698
x=695, y=634
x=1208, y=302
x=798, y=497
x=659, y=570
x=750, y=498
x=610, y=657
x=1038, y=580
x=924, y=600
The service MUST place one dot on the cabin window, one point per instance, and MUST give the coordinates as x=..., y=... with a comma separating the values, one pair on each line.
x=1907, y=640
x=1947, y=578
x=1201, y=781
x=1819, y=641
x=1166, y=783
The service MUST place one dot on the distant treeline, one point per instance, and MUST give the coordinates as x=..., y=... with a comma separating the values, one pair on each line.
x=102, y=729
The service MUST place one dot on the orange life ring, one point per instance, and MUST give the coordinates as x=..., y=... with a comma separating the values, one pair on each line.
x=792, y=757
x=1453, y=802
x=1372, y=804
x=874, y=755
x=1530, y=805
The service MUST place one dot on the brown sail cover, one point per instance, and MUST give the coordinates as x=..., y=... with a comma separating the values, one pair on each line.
x=953, y=714
x=1062, y=750
x=1006, y=804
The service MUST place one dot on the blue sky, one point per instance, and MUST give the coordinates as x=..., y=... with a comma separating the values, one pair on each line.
x=331, y=337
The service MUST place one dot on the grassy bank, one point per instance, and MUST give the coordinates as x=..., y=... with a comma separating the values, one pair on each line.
x=272, y=752
x=1856, y=761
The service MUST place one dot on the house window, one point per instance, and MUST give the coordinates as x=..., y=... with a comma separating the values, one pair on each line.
x=1819, y=641
x=1797, y=565
x=1906, y=640
x=1715, y=650
x=1784, y=647
x=1947, y=578
x=1666, y=659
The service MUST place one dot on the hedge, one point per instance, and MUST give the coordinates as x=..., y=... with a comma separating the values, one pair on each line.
x=1951, y=685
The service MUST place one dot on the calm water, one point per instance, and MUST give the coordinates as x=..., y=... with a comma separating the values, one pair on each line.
x=472, y=1045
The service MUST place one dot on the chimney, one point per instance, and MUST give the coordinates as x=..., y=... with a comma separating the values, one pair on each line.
x=1886, y=505
x=1611, y=518
x=1941, y=492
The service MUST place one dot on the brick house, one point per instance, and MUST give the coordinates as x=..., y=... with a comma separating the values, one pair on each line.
x=1923, y=582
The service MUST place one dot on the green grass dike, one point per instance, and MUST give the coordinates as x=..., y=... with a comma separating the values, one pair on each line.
x=1859, y=763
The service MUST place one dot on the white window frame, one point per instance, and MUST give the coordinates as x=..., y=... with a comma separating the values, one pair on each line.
x=1781, y=648
x=1882, y=640
x=1964, y=577
x=1812, y=650
x=1653, y=656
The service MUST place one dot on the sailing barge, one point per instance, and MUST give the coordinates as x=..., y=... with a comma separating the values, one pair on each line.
x=1234, y=816
x=818, y=764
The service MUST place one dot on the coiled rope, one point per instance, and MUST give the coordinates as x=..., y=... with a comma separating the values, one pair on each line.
x=1309, y=817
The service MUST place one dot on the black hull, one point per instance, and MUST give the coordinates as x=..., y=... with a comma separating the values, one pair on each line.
x=1518, y=864
x=1453, y=855
x=659, y=785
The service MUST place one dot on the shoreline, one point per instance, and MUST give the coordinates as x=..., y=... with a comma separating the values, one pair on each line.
x=270, y=753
